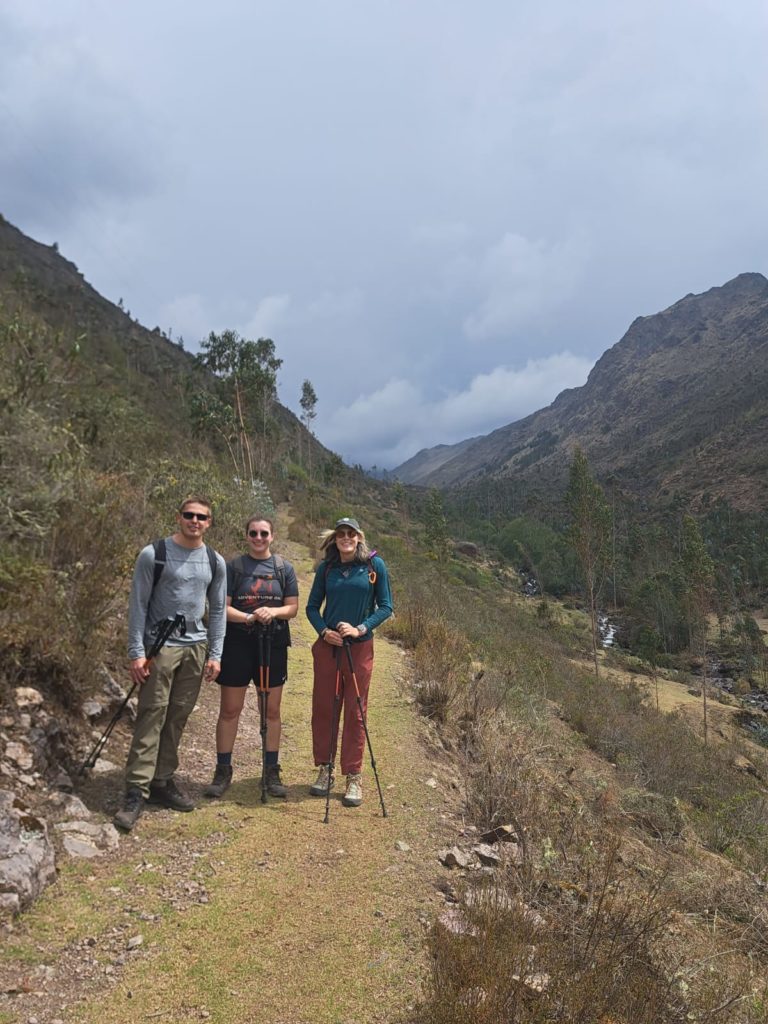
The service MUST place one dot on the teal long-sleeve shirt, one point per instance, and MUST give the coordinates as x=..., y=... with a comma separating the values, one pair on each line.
x=345, y=594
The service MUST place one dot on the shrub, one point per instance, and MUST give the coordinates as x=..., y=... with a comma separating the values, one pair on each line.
x=441, y=670
x=555, y=945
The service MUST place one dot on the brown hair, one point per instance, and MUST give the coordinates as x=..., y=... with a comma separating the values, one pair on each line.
x=196, y=499
x=260, y=519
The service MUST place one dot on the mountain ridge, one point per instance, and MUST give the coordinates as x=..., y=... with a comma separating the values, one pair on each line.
x=687, y=384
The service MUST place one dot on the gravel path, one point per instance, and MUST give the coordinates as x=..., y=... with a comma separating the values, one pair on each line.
x=240, y=912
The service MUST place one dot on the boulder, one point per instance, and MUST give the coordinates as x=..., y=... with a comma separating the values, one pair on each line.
x=111, y=689
x=70, y=806
x=92, y=709
x=455, y=921
x=86, y=838
x=743, y=764
x=28, y=697
x=487, y=855
x=499, y=834
x=27, y=860
x=63, y=781
x=455, y=857
x=20, y=754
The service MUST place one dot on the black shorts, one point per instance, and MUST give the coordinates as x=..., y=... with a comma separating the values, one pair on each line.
x=240, y=661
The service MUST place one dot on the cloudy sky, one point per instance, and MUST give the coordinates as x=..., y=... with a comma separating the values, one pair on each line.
x=443, y=212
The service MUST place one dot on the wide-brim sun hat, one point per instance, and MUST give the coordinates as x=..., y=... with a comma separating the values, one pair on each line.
x=348, y=521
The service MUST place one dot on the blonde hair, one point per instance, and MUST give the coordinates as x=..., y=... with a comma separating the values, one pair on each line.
x=330, y=552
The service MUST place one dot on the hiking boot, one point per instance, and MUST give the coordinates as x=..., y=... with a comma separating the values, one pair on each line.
x=130, y=812
x=274, y=784
x=353, y=795
x=320, y=786
x=222, y=778
x=168, y=794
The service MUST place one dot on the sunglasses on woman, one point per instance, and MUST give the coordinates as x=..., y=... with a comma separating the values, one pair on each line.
x=258, y=533
x=202, y=517
x=346, y=533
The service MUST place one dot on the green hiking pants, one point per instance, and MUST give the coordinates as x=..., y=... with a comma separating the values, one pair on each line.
x=166, y=701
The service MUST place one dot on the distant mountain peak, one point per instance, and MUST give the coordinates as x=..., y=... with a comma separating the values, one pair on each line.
x=678, y=405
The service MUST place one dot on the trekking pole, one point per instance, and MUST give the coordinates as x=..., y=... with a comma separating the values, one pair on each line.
x=348, y=648
x=263, y=699
x=334, y=735
x=165, y=630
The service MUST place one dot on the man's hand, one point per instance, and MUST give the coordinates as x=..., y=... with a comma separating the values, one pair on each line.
x=212, y=669
x=333, y=638
x=139, y=670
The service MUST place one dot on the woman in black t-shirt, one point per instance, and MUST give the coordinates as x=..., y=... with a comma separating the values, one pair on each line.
x=262, y=594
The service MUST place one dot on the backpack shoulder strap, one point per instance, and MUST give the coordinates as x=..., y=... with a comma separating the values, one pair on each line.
x=160, y=560
x=238, y=567
x=213, y=564
x=279, y=563
x=372, y=577
x=212, y=560
x=238, y=564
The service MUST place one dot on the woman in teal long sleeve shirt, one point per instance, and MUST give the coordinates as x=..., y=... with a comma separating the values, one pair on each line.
x=350, y=597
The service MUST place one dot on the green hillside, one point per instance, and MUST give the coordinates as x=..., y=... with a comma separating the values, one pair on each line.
x=622, y=880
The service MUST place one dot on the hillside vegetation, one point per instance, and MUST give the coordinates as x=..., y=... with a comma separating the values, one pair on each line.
x=632, y=885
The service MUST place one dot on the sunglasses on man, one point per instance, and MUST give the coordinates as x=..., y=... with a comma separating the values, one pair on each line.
x=202, y=517
x=258, y=533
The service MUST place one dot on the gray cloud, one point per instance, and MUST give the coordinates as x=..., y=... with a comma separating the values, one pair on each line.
x=397, y=419
x=409, y=199
x=74, y=140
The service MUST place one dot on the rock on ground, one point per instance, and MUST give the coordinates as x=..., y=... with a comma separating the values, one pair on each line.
x=27, y=860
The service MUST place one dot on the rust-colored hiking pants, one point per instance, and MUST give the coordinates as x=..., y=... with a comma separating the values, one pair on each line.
x=353, y=735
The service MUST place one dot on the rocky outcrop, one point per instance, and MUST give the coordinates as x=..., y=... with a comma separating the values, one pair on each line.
x=40, y=818
x=27, y=857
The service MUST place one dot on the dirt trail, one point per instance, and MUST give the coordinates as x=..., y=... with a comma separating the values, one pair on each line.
x=248, y=912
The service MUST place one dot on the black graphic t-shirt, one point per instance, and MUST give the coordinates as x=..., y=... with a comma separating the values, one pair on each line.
x=253, y=583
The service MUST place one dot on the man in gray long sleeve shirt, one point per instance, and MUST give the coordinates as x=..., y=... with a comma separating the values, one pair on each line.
x=171, y=683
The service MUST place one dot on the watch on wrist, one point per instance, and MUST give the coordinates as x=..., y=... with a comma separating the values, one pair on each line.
x=362, y=630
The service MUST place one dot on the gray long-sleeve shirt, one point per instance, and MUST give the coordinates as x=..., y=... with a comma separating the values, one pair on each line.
x=182, y=587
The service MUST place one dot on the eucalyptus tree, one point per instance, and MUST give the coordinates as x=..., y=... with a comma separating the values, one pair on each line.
x=697, y=572
x=308, y=402
x=247, y=371
x=589, y=533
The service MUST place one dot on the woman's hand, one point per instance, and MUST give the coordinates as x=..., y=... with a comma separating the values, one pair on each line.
x=264, y=615
x=347, y=632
